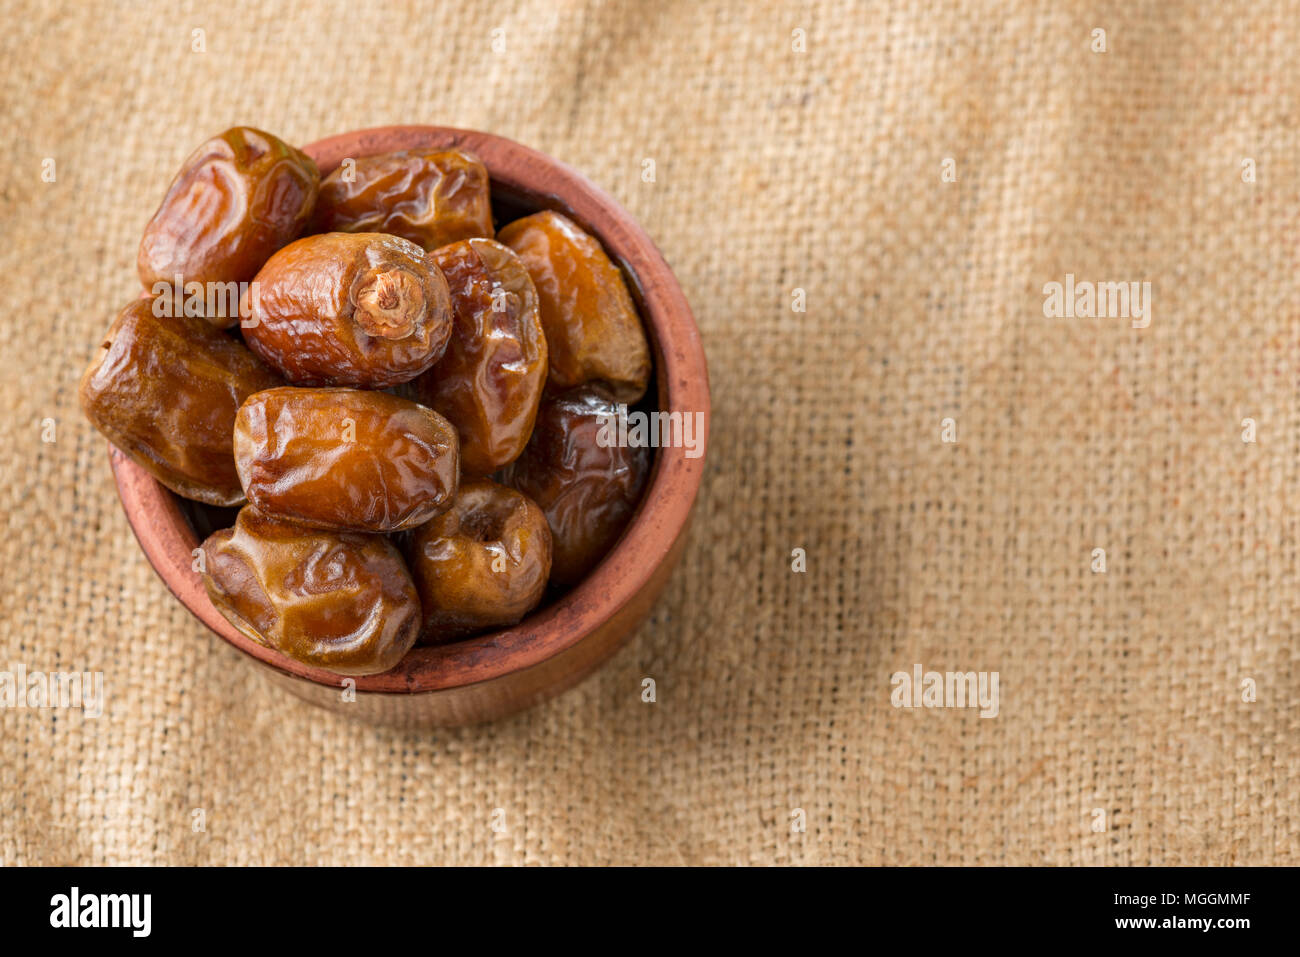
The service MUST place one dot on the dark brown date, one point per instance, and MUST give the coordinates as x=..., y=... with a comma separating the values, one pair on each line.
x=489, y=381
x=587, y=485
x=357, y=309
x=481, y=564
x=165, y=391
x=335, y=600
x=593, y=332
x=345, y=459
x=431, y=197
x=238, y=198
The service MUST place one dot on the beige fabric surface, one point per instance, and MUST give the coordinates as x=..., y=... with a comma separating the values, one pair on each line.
x=1122, y=735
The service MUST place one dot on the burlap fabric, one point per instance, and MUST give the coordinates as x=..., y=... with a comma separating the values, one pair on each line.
x=1125, y=733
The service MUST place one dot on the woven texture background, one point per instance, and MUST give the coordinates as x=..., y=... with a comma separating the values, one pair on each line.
x=1121, y=692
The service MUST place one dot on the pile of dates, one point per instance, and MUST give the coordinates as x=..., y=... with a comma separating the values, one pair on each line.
x=403, y=401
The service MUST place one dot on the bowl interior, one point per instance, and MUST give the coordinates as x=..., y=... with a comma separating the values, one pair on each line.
x=523, y=181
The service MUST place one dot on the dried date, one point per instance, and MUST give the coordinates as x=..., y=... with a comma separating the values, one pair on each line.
x=431, y=197
x=345, y=459
x=335, y=600
x=165, y=390
x=587, y=485
x=489, y=382
x=237, y=199
x=354, y=309
x=481, y=564
x=593, y=332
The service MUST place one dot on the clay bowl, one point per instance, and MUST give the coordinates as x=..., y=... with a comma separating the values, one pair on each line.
x=504, y=672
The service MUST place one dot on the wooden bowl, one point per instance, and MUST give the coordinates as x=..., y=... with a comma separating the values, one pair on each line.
x=504, y=672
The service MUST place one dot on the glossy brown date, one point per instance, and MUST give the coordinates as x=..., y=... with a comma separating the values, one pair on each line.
x=481, y=564
x=335, y=600
x=356, y=309
x=237, y=199
x=584, y=482
x=489, y=381
x=345, y=459
x=165, y=391
x=592, y=328
x=431, y=197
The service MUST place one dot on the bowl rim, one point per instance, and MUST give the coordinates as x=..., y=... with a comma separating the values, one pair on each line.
x=525, y=175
